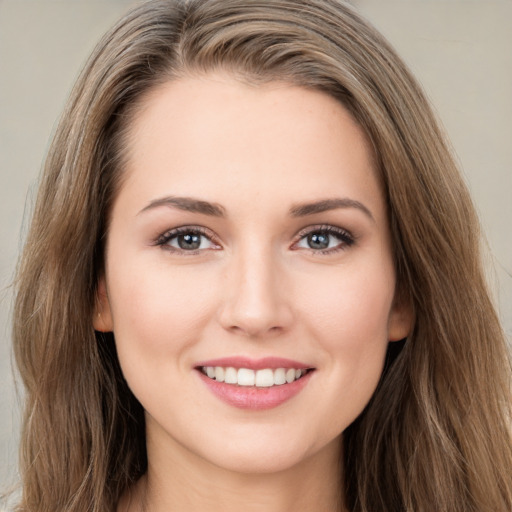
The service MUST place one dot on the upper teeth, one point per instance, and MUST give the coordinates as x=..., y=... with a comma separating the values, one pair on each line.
x=247, y=377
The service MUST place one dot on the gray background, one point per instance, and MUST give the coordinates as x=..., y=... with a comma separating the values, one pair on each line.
x=460, y=50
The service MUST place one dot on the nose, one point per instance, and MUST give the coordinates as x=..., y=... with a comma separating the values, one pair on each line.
x=256, y=301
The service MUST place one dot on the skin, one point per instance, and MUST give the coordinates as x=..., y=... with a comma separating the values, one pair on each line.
x=254, y=288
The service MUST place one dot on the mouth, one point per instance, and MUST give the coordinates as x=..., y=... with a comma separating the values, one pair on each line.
x=254, y=384
x=247, y=377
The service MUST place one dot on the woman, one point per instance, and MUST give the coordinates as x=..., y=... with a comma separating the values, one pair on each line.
x=253, y=279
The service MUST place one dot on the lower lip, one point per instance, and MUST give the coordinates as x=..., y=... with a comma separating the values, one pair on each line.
x=251, y=397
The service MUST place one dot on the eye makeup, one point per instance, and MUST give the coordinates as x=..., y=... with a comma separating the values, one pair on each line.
x=192, y=240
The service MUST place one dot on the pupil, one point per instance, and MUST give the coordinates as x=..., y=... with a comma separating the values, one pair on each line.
x=189, y=241
x=318, y=240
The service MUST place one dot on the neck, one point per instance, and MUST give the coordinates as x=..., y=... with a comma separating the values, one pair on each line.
x=182, y=482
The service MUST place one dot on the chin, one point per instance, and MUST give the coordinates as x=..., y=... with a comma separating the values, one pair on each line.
x=260, y=464
x=269, y=456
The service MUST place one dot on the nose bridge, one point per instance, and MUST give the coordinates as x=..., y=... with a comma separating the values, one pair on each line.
x=255, y=301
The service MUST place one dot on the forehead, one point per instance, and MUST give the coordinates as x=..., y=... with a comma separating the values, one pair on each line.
x=216, y=135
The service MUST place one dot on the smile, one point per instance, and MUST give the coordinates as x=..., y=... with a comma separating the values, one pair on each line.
x=254, y=384
x=263, y=378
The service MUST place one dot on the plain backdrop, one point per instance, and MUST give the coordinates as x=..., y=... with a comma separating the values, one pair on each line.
x=460, y=50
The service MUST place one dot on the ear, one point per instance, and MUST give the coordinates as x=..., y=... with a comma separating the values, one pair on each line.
x=102, y=319
x=401, y=319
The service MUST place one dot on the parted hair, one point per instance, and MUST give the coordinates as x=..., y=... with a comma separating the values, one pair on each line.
x=436, y=435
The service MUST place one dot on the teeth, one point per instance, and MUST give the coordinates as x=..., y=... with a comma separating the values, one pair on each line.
x=246, y=377
x=231, y=376
x=264, y=378
x=259, y=378
x=279, y=377
x=219, y=373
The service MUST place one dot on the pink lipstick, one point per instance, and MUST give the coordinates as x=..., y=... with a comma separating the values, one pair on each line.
x=255, y=384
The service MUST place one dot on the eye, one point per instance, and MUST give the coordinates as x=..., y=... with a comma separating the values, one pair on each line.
x=187, y=240
x=325, y=239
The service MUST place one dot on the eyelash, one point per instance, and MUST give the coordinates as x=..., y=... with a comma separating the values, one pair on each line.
x=164, y=239
x=345, y=237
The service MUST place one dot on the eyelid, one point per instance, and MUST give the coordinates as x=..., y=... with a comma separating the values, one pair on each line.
x=346, y=238
x=163, y=239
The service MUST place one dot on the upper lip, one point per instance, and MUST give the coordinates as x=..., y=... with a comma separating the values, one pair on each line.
x=254, y=364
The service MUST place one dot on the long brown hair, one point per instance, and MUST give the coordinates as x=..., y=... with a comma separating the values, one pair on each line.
x=436, y=434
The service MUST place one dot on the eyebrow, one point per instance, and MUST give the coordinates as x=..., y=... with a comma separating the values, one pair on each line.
x=303, y=209
x=191, y=204
x=188, y=204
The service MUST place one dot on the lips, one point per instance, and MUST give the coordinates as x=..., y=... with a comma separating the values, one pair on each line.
x=254, y=384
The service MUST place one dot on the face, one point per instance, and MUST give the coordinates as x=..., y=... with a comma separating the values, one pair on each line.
x=249, y=233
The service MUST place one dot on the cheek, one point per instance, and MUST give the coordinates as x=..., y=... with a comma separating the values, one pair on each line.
x=352, y=305
x=159, y=311
x=350, y=323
